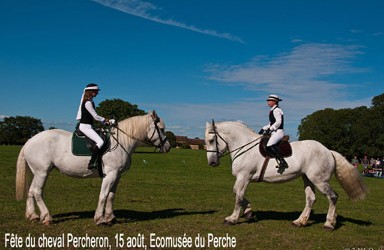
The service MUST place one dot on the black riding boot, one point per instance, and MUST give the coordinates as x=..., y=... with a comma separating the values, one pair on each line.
x=95, y=158
x=274, y=151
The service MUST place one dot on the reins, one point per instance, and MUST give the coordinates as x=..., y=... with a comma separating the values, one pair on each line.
x=243, y=152
x=227, y=151
x=147, y=142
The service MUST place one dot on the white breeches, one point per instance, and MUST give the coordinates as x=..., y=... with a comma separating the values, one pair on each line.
x=91, y=134
x=276, y=136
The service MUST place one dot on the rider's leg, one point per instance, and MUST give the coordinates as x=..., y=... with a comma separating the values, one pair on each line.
x=91, y=134
x=273, y=149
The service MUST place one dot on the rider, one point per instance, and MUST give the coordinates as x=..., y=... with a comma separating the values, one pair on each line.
x=86, y=116
x=275, y=128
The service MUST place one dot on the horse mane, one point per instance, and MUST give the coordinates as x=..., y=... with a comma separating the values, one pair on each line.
x=241, y=125
x=134, y=127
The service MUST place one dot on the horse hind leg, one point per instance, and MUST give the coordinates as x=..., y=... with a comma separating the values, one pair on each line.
x=310, y=199
x=36, y=193
x=331, y=195
x=30, y=212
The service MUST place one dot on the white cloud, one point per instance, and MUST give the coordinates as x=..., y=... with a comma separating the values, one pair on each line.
x=151, y=12
x=302, y=77
x=303, y=73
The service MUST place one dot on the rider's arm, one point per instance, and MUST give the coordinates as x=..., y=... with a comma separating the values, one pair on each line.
x=92, y=111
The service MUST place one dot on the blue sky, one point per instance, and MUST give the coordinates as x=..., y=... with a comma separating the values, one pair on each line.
x=191, y=61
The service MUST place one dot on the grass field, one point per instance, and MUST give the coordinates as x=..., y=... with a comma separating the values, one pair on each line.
x=178, y=194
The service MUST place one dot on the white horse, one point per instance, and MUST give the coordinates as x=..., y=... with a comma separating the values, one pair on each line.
x=309, y=159
x=52, y=148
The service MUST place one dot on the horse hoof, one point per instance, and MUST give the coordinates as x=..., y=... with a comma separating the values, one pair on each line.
x=247, y=215
x=33, y=220
x=228, y=223
x=297, y=225
x=47, y=223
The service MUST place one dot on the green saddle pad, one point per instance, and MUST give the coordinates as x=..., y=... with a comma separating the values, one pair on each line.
x=79, y=146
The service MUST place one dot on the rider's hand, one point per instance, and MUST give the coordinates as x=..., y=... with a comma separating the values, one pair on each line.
x=112, y=121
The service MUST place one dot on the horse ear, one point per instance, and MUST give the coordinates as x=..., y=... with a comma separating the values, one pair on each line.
x=207, y=125
x=153, y=114
x=213, y=123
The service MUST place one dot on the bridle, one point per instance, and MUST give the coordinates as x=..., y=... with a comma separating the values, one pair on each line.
x=157, y=129
x=217, y=135
x=227, y=151
x=148, y=141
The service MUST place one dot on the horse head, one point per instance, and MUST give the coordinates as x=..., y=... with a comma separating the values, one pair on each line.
x=216, y=145
x=156, y=133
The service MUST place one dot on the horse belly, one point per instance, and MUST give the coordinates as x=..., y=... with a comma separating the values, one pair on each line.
x=277, y=175
x=74, y=166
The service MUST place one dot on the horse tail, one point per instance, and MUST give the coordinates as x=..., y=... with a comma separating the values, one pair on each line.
x=349, y=178
x=22, y=176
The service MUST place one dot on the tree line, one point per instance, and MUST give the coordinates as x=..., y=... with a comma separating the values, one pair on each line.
x=17, y=130
x=352, y=132
x=358, y=131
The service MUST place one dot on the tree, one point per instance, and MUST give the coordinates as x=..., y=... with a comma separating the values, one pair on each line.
x=118, y=109
x=378, y=101
x=171, y=138
x=17, y=130
x=358, y=131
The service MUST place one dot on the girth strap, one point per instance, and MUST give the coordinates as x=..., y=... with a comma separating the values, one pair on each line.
x=263, y=168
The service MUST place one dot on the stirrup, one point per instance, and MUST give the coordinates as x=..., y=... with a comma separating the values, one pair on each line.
x=93, y=164
x=282, y=164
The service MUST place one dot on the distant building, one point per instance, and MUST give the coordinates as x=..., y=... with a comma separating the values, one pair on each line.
x=185, y=142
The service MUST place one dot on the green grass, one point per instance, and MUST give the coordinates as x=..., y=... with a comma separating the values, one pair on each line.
x=178, y=193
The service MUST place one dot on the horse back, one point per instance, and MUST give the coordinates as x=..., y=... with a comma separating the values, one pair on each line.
x=47, y=145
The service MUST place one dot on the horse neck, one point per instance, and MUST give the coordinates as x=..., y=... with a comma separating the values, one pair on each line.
x=134, y=130
x=236, y=135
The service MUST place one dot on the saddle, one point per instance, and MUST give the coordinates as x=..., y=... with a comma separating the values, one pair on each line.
x=284, y=147
x=82, y=145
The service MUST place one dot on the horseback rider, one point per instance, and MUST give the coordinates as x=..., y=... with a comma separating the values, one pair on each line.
x=86, y=116
x=275, y=127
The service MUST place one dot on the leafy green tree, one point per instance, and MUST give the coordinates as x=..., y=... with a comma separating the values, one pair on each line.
x=358, y=131
x=17, y=130
x=118, y=109
x=378, y=101
x=171, y=138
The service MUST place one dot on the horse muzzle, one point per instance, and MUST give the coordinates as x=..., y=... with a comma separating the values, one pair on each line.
x=213, y=161
x=165, y=148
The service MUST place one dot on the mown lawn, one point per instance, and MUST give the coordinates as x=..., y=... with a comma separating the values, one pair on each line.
x=178, y=194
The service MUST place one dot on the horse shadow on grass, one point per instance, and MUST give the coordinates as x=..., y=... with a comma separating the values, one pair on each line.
x=313, y=219
x=129, y=216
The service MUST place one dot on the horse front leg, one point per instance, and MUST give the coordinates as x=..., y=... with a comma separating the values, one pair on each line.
x=239, y=189
x=247, y=209
x=106, y=186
